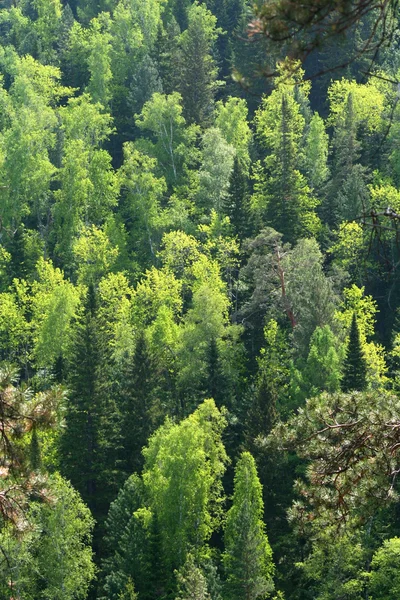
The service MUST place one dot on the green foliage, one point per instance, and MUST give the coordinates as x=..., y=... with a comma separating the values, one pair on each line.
x=206, y=319
x=368, y=101
x=53, y=558
x=316, y=153
x=143, y=192
x=215, y=170
x=248, y=557
x=93, y=255
x=323, y=368
x=348, y=449
x=184, y=464
x=80, y=439
x=54, y=305
x=349, y=249
x=139, y=182
x=237, y=205
x=136, y=404
x=192, y=584
x=383, y=580
x=126, y=544
x=354, y=366
x=334, y=567
x=99, y=60
x=271, y=387
x=231, y=119
x=14, y=329
x=88, y=185
x=198, y=72
x=283, y=198
x=27, y=139
x=364, y=308
x=173, y=140
x=309, y=291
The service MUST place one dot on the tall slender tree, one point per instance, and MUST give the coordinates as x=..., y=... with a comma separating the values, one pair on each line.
x=135, y=406
x=198, y=68
x=79, y=442
x=355, y=366
x=236, y=205
x=283, y=198
x=248, y=556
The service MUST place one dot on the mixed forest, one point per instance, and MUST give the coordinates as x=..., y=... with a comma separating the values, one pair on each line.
x=199, y=305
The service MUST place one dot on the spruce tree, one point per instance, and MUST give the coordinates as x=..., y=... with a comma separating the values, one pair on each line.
x=192, y=584
x=79, y=442
x=236, y=206
x=355, y=366
x=168, y=55
x=248, y=556
x=135, y=406
x=198, y=69
x=283, y=198
x=216, y=383
x=346, y=191
x=128, y=547
x=34, y=451
x=290, y=188
x=263, y=413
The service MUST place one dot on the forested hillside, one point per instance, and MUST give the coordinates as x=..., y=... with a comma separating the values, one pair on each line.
x=199, y=304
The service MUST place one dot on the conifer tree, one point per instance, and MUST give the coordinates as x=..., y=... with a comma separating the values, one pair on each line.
x=271, y=384
x=316, y=153
x=236, y=206
x=248, y=556
x=283, y=198
x=192, y=584
x=169, y=55
x=179, y=9
x=346, y=190
x=34, y=451
x=79, y=443
x=135, y=406
x=128, y=546
x=216, y=383
x=263, y=412
x=355, y=366
x=198, y=68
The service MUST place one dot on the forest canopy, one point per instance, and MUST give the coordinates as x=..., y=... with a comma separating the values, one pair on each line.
x=199, y=300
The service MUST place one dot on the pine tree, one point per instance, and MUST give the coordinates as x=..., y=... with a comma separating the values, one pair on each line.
x=355, y=366
x=248, y=556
